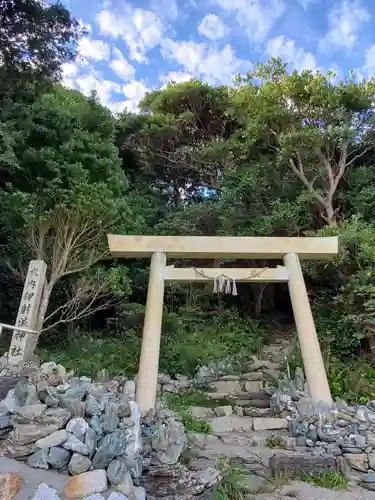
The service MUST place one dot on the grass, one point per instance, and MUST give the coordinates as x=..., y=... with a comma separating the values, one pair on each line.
x=229, y=487
x=275, y=442
x=180, y=403
x=329, y=480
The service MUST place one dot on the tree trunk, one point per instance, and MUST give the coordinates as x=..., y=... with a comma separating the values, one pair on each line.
x=47, y=290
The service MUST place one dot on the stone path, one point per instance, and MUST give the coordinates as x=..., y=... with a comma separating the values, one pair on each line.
x=305, y=491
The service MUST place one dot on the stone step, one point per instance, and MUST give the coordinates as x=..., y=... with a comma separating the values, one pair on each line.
x=223, y=425
x=265, y=439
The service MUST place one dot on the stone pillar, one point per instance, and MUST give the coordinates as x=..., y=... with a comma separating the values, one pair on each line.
x=22, y=342
x=149, y=362
x=311, y=354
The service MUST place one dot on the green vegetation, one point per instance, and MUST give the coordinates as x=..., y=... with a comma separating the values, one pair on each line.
x=180, y=403
x=281, y=153
x=275, y=442
x=329, y=480
x=230, y=486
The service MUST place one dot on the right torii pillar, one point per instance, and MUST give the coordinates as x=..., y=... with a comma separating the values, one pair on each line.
x=308, y=340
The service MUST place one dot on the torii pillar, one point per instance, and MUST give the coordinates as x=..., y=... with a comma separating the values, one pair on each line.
x=202, y=247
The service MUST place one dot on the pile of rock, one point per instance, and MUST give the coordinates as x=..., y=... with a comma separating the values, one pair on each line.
x=92, y=431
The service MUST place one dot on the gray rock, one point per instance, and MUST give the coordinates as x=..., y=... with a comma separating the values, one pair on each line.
x=164, y=379
x=95, y=496
x=110, y=419
x=74, y=444
x=357, y=461
x=38, y=460
x=51, y=401
x=75, y=406
x=78, y=426
x=11, y=402
x=43, y=390
x=116, y=495
x=310, y=464
x=55, y=416
x=58, y=457
x=79, y=464
x=7, y=382
x=48, y=368
x=360, y=440
x=97, y=425
x=93, y=407
x=45, y=492
x=20, y=451
x=140, y=493
x=54, y=439
x=168, y=442
x=103, y=375
x=111, y=446
x=32, y=395
x=77, y=391
x=21, y=391
x=120, y=478
x=25, y=434
x=91, y=441
x=253, y=484
x=27, y=414
x=123, y=409
x=97, y=390
x=129, y=390
x=371, y=460
x=223, y=411
x=134, y=465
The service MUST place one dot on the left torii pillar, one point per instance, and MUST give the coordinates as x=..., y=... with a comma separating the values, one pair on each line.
x=23, y=343
x=149, y=362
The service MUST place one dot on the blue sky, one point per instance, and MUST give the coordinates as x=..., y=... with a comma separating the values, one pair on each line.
x=135, y=46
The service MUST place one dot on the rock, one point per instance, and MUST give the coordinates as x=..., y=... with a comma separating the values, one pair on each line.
x=253, y=386
x=168, y=442
x=77, y=391
x=51, y=401
x=90, y=441
x=263, y=424
x=96, y=425
x=78, y=426
x=54, y=439
x=27, y=414
x=79, y=464
x=120, y=478
x=43, y=390
x=200, y=411
x=11, y=402
x=6, y=384
x=45, y=492
x=58, y=457
x=173, y=480
x=223, y=411
x=97, y=390
x=371, y=460
x=360, y=440
x=16, y=450
x=5, y=421
x=129, y=390
x=116, y=495
x=227, y=386
x=38, y=460
x=76, y=407
x=298, y=463
x=134, y=465
x=48, y=368
x=256, y=412
x=95, y=496
x=25, y=434
x=111, y=446
x=222, y=425
x=140, y=493
x=56, y=416
x=72, y=443
x=230, y=377
x=253, y=484
x=110, y=419
x=123, y=409
x=357, y=461
x=93, y=407
x=62, y=388
x=32, y=395
x=86, y=484
x=164, y=379
x=102, y=375
x=252, y=376
x=10, y=485
x=21, y=391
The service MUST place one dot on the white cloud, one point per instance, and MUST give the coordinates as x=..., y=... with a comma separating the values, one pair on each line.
x=368, y=68
x=176, y=76
x=134, y=91
x=93, y=49
x=121, y=66
x=165, y=9
x=345, y=22
x=212, y=27
x=202, y=61
x=256, y=17
x=287, y=50
x=140, y=29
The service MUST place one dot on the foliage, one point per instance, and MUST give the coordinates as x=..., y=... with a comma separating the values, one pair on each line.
x=229, y=487
x=329, y=480
x=275, y=442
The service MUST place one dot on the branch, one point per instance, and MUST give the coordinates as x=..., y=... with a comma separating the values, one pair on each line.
x=302, y=177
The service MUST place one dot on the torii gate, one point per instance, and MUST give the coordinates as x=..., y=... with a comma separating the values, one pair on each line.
x=291, y=250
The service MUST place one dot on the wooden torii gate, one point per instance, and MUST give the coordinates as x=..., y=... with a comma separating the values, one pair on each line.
x=290, y=250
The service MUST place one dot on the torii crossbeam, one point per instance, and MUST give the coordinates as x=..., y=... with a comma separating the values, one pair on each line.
x=290, y=250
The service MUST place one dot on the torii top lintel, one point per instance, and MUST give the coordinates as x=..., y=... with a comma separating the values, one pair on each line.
x=235, y=247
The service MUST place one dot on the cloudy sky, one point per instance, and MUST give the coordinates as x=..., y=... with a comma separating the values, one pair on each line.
x=137, y=45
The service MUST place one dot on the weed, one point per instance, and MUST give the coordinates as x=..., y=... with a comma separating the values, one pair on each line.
x=329, y=480
x=194, y=424
x=275, y=442
x=229, y=487
x=280, y=477
x=180, y=403
x=187, y=456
